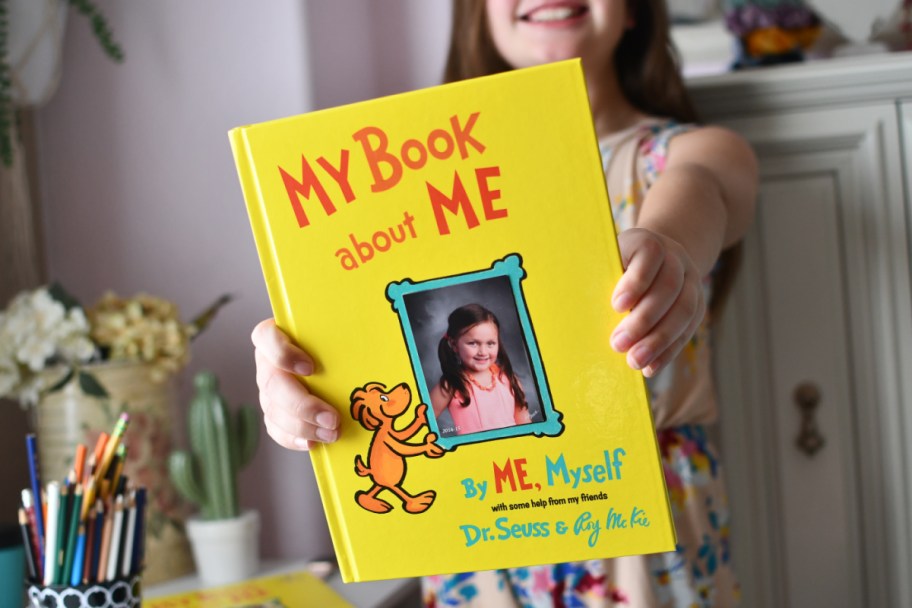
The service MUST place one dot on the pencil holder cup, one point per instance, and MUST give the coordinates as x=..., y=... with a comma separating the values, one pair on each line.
x=119, y=593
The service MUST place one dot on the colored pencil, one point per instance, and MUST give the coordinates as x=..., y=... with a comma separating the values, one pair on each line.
x=117, y=468
x=116, y=532
x=129, y=532
x=50, y=548
x=88, y=497
x=27, y=545
x=111, y=446
x=89, y=524
x=62, y=521
x=97, y=534
x=98, y=452
x=28, y=503
x=79, y=462
x=79, y=557
x=102, y=572
x=139, y=536
x=72, y=534
x=35, y=477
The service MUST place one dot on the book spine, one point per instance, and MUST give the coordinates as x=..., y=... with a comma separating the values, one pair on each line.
x=348, y=567
x=272, y=271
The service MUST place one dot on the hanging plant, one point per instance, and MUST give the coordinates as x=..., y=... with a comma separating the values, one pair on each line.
x=8, y=114
x=6, y=101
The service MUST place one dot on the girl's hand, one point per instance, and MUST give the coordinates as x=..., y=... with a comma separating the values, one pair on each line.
x=293, y=416
x=661, y=287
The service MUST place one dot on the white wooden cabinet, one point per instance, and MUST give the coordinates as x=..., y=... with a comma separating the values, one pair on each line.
x=822, y=300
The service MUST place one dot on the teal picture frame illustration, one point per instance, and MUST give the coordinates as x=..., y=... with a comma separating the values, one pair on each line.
x=422, y=308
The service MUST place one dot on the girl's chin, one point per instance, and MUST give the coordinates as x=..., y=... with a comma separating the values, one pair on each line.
x=553, y=54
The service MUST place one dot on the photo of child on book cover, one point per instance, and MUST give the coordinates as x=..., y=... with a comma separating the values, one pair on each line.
x=474, y=357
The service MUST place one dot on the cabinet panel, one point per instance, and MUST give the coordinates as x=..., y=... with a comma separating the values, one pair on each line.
x=808, y=347
x=821, y=298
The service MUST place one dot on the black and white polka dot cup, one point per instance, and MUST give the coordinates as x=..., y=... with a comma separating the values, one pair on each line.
x=119, y=593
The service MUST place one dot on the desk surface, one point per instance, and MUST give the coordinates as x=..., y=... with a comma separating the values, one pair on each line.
x=394, y=593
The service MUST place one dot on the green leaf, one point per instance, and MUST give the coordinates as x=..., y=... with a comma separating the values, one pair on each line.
x=202, y=320
x=63, y=381
x=100, y=27
x=91, y=386
x=60, y=294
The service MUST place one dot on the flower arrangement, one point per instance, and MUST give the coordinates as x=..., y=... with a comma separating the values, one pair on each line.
x=48, y=329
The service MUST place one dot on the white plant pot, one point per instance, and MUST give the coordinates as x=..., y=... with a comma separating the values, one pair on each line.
x=225, y=550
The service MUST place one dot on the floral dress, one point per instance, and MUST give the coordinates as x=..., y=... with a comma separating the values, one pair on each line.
x=698, y=573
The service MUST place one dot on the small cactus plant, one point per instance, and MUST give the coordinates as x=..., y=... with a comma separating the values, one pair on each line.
x=220, y=445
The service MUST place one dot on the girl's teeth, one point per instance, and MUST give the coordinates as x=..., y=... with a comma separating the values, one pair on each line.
x=551, y=14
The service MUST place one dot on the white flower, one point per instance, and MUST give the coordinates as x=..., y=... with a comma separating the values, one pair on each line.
x=30, y=390
x=9, y=374
x=35, y=352
x=72, y=337
x=36, y=329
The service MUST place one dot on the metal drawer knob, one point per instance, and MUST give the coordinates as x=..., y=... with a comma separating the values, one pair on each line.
x=807, y=398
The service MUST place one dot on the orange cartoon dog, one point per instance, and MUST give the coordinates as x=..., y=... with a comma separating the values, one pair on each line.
x=376, y=409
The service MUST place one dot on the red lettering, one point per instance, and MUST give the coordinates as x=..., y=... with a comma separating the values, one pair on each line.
x=503, y=474
x=296, y=189
x=459, y=200
x=488, y=196
x=381, y=242
x=521, y=473
x=440, y=135
x=377, y=155
x=417, y=163
x=340, y=175
x=365, y=251
x=463, y=135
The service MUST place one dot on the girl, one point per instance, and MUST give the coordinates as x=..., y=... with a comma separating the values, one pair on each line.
x=681, y=196
x=477, y=385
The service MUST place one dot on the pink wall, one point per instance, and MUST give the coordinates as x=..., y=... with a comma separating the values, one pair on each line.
x=138, y=187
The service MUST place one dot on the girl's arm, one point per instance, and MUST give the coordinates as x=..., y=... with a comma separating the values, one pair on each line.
x=702, y=203
x=521, y=415
x=293, y=417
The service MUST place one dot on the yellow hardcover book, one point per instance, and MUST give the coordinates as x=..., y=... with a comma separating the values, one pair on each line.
x=291, y=590
x=448, y=256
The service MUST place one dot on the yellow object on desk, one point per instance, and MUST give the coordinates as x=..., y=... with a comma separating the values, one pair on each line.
x=291, y=590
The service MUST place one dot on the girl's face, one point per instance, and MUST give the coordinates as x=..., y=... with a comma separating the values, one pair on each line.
x=532, y=32
x=477, y=347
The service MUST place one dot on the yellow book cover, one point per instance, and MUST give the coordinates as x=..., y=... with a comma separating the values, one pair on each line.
x=448, y=256
x=290, y=590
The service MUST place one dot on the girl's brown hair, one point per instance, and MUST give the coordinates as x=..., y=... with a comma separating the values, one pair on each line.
x=645, y=60
x=647, y=68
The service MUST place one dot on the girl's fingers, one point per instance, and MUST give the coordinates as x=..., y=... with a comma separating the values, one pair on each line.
x=643, y=255
x=275, y=346
x=305, y=419
x=286, y=440
x=653, y=306
x=667, y=338
x=293, y=415
x=674, y=350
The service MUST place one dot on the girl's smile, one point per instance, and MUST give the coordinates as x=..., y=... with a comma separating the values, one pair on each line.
x=555, y=14
x=532, y=32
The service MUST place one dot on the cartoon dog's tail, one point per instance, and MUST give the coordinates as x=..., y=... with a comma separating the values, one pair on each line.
x=360, y=469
